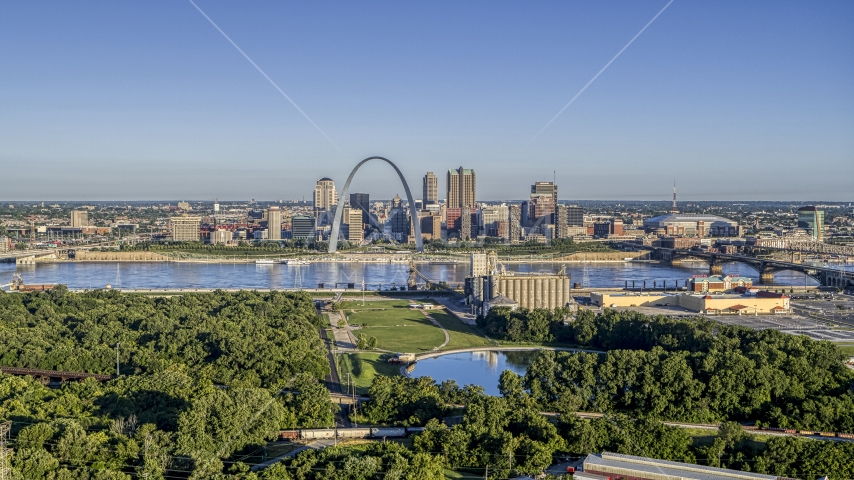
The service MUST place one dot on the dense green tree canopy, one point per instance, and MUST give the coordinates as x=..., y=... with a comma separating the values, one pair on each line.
x=245, y=338
x=204, y=376
x=683, y=369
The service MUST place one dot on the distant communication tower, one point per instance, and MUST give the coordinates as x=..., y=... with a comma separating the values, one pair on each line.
x=673, y=209
x=5, y=453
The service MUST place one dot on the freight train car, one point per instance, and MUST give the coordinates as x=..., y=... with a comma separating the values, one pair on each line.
x=388, y=432
x=354, y=433
x=317, y=434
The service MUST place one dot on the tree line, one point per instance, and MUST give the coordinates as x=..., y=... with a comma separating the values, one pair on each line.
x=508, y=434
x=168, y=424
x=205, y=379
x=243, y=338
x=693, y=370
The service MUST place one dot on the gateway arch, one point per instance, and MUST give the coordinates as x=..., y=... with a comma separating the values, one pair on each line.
x=339, y=210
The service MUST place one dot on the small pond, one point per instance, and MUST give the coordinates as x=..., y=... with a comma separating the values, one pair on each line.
x=474, y=368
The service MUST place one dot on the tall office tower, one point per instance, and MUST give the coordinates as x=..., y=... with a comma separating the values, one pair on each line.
x=431, y=189
x=325, y=195
x=185, y=228
x=79, y=218
x=466, y=223
x=561, y=221
x=216, y=205
x=523, y=215
x=452, y=193
x=399, y=221
x=274, y=223
x=462, y=188
x=353, y=219
x=543, y=202
x=811, y=219
x=468, y=188
x=362, y=202
x=574, y=216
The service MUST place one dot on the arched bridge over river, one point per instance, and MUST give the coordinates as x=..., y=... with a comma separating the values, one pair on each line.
x=826, y=276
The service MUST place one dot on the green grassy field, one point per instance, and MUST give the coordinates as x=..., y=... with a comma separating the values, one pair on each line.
x=388, y=317
x=401, y=329
x=462, y=335
x=395, y=326
x=406, y=339
x=847, y=348
x=363, y=367
x=357, y=304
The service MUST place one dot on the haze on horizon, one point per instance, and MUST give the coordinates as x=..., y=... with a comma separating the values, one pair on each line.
x=131, y=101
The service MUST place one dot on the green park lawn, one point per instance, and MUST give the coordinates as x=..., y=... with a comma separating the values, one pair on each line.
x=462, y=335
x=363, y=367
x=370, y=304
x=396, y=328
x=388, y=317
x=401, y=329
x=847, y=348
x=405, y=339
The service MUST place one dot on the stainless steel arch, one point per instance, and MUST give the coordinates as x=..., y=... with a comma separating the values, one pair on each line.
x=339, y=210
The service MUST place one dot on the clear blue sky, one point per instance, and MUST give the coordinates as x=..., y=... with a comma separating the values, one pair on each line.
x=146, y=100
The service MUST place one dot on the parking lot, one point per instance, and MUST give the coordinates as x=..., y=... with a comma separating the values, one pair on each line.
x=778, y=322
x=837, y=310
x=802, y=320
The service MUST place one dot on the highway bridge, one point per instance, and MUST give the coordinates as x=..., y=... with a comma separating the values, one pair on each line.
x=826, y=276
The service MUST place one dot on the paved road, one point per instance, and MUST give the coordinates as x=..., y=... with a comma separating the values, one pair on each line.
x=458, y=310
x=343, y=337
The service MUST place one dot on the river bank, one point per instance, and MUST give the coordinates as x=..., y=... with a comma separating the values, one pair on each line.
x=85, y=256
x=348, y=274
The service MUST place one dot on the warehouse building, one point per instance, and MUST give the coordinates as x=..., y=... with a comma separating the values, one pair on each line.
x=721, y=304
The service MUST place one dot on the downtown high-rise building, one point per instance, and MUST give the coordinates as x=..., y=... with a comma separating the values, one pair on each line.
x=353, y=221
x=561, y=218
x=362, y=202
x=574, y=216
x=466, y=224
x=514, y=226
x=185, y=228
x=431, y=189
x=461, y=188
x=79, y=218
x=811, y=219
x=543, y=202
x=274, y=223
x=325, y=195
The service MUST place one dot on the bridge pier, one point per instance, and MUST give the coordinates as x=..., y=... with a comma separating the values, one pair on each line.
x=716, y=269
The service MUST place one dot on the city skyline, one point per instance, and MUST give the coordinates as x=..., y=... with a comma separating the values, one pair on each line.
x=737, y=101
